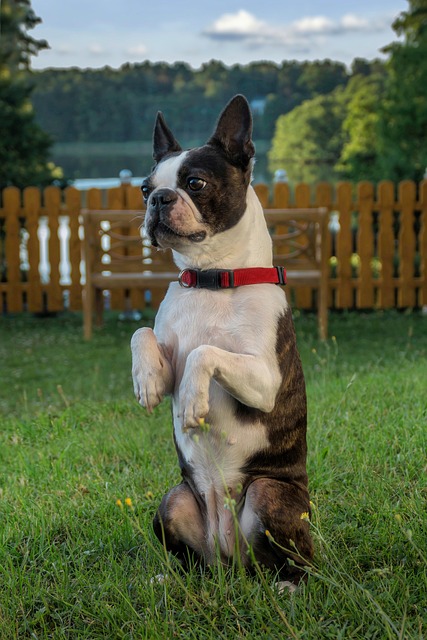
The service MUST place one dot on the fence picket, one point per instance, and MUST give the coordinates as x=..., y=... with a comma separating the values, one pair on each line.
x=365, y=245
x=303, y=295
x=344, y=247
x=281, y=196
x=262, y=192
x=32, y=206
x=386, y=294
x=72, y=202
x=94, y=199
x=133, y=200
x=323, y=198
x=12, y=205
x=406, y=290
x=52, y=198
x=116, y=200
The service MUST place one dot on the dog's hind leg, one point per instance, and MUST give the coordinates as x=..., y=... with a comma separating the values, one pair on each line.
x=179, y=524
x=274, y=522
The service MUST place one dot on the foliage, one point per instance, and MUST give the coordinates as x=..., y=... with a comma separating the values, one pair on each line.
x=73, y=441
x=404, y=113
x=308, y=140
x=67, y=100
x=17, y=46
x=360, y=153
x=335, y=135
x=24, y=147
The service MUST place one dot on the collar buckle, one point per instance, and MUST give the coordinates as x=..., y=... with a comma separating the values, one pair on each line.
x=184, y=278
x=212, y=279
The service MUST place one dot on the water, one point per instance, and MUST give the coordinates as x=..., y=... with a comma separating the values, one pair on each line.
x=83, y=184
x=83, y=162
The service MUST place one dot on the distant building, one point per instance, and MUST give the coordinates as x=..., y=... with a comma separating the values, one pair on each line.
x=258, y=106
x=280, y=175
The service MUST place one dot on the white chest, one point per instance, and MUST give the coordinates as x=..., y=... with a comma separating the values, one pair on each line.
x=239, y=321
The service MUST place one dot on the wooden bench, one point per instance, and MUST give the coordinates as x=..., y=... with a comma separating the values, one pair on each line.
x=117, y=257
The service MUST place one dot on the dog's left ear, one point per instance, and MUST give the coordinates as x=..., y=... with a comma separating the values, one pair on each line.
x=233, y=133
x=164, y=141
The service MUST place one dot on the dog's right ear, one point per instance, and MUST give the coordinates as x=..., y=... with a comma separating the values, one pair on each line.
x=233, y=133
x=164, y=141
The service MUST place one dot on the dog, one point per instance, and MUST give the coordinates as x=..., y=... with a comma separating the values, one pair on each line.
x=224, y=348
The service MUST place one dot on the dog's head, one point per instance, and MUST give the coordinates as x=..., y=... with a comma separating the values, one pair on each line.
x=193, y=195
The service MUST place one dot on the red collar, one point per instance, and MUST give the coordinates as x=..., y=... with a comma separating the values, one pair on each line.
x=230, y=278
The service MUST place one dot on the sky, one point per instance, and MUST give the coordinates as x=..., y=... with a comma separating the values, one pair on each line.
x=96, y=33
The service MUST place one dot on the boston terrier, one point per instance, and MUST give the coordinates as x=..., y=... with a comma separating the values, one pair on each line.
x=223, y=347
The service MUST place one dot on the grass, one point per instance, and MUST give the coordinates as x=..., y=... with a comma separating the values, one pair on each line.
x=74, y=564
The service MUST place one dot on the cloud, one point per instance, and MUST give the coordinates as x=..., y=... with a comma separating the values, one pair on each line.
x=65, y=50
x=312, y=24
x=96, y=49
x=140, y=50
x=245, y=27
x=240, y=25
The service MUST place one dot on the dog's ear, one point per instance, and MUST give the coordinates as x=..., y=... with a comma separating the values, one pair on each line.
x=164, y=141
x=233, y=133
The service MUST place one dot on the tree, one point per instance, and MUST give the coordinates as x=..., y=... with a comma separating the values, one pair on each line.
x=24, y=147
x=308, y=141
x=404, y=110
x=361, y=153
x=321, y=77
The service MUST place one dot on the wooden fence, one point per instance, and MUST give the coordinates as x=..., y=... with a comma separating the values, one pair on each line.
x=377, y=243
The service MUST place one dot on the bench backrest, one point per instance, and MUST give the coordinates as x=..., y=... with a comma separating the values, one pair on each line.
x=115, y=243
x=299, y=238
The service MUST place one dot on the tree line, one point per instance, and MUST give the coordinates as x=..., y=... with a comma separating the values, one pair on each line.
x=113, y=105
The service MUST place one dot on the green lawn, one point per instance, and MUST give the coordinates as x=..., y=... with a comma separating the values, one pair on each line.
x=74, y=564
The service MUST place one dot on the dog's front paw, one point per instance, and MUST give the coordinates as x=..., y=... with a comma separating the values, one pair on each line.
x=193, y=410
x=148, y=386
x=148, y=369
x=194, y=391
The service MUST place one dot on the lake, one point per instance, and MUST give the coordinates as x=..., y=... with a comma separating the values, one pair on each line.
x=98, y=164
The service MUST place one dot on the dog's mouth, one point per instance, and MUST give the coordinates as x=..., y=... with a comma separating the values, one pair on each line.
x=166, y=232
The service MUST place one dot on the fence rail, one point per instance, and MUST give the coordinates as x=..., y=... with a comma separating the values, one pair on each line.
x=377, y=243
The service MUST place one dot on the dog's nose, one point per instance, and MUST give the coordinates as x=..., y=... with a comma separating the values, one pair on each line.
x=163, y=197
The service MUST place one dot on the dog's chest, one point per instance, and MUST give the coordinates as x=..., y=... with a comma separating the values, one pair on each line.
x=201, y=317
x=239, y=321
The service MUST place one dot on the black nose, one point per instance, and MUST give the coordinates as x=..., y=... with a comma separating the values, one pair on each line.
x=163, y=197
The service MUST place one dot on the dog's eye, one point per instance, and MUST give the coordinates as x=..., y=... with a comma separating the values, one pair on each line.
x=145, y=192
x=196, y=184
